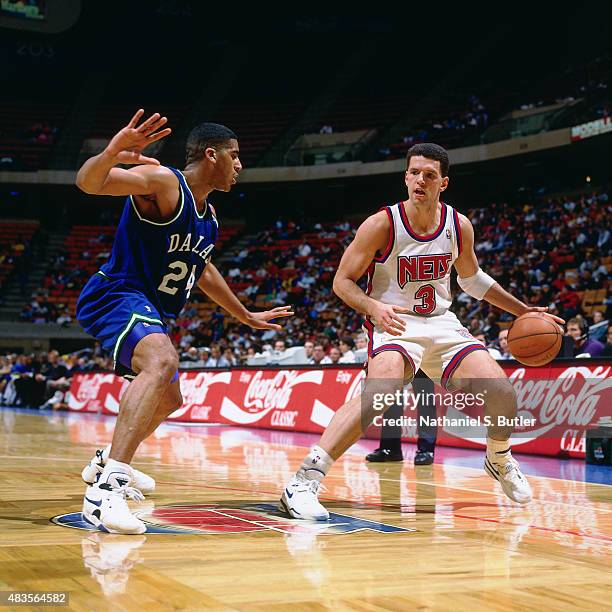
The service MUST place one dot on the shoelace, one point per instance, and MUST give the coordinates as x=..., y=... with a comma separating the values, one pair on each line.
x=312, y=485
x=510, y=466
x=131, y=493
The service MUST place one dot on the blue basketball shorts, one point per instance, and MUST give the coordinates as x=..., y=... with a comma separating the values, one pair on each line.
x=119, y=317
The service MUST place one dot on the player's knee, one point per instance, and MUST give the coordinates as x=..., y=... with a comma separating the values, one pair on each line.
x=166, y=364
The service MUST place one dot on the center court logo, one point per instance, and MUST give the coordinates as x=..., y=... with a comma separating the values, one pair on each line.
x=209, y=519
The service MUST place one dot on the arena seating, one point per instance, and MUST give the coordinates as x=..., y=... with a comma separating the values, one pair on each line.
x=28, y=133
x=85, y=249
x=14, y=238
x=294, y=263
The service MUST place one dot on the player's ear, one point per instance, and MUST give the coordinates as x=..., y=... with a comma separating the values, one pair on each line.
x=444, y=184
x=210, y=154
x=406, y=178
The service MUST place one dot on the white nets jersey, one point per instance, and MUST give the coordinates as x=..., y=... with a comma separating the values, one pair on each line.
x=414, y=271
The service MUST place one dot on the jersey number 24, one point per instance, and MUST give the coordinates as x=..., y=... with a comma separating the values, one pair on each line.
x=180, y=272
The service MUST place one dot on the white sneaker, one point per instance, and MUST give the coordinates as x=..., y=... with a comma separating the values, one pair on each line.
x=145, y=484
x=105, y=507
x=300, y=500
x=511, y=478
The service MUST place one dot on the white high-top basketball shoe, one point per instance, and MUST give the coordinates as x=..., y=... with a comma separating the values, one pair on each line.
x=300, y=499
x=144, y=483
x=512, y=480
x=105, y=505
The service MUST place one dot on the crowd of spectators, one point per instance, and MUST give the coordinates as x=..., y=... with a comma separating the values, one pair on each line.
x=445, y=128
x=547, y=253
x=40, y=136
x=514, y=248
x=42, y=379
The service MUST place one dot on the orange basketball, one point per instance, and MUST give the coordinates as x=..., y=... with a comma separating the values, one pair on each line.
x=534, y=339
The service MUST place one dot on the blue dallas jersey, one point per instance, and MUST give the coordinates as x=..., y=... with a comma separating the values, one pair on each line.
x=163, y=260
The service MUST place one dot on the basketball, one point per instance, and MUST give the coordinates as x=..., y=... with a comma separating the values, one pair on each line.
x=534, y=339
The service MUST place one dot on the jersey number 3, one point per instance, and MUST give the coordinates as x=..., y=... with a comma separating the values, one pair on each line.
x=427, y=295
x=180, y=272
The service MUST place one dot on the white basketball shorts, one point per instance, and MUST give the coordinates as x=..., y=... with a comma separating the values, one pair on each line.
x=436, y=345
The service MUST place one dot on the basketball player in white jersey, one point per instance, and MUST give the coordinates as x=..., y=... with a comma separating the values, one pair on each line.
x=407, y=250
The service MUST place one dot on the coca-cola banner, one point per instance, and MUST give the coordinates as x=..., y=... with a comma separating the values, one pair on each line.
x=558, y=402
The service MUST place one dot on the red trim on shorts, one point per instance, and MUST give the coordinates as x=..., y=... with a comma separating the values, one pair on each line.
x=457, y=359
x=370, y=277
x=391, y=241
x=458, y=232
x=370, y=328
x=413, y=234
x=399, y=349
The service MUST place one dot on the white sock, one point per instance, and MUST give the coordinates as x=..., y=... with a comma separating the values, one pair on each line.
x=498, y=451
x=316, y=464
x=116, y=474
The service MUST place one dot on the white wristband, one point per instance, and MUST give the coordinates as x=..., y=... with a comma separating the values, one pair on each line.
x=476, y=285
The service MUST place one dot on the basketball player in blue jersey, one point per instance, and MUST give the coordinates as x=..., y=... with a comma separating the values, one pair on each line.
x=163, y=247
x=408, y=250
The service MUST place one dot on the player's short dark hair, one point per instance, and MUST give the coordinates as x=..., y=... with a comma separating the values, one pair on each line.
x=430, y=151
x=206, y=135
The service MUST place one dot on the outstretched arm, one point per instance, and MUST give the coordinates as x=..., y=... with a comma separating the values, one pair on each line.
x=467, y=267
x=214, y=286
x=99, y=176
x=372, y=237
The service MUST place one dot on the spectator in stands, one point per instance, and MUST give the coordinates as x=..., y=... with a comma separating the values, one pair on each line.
x=569, y=302
x=346, y=347
x=56, y=373
x=64, y=319
x=229, y=356
x=502, y=345
x=577, y=328
x=334, y=356
x=217, y=360
x=318, y=355
x=5, y=370
x=361, y=342
x=607, y=350
x=189, y=357
x=308, y=349
x=476, y=326
x=490, y=327
x=19, y=388
x=304, y=249
x=598, y=330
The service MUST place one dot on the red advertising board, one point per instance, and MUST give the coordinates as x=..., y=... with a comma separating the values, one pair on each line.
x=564, y=398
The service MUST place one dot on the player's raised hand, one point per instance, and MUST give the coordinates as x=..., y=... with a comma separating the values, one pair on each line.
x=127, y=144
x=387, y=317
x=260, y=320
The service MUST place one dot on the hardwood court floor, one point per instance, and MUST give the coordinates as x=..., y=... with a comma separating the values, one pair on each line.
x=464, y=546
